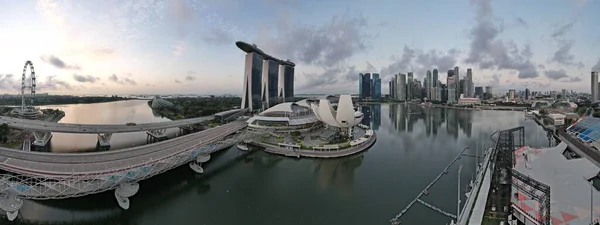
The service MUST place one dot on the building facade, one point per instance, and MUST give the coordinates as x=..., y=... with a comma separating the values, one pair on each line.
x=595, y=84
x=469, y=83
x=429, y=84
x=376, y=87
x=267, y=80
x=409, y=83
x=479, y=92
x=401, y=88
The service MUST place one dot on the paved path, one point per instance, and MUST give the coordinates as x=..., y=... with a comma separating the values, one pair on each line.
x=37, y=125
x=97, y=163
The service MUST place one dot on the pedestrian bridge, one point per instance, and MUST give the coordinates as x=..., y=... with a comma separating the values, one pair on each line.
x=42, y=130
x=40, y=175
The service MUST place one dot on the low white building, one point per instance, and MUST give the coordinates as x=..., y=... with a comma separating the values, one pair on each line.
x=468, y=101
x=555, y=119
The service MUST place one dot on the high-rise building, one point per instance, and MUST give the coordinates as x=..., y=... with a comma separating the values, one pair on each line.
x=488, y=92
x=451, y=85
x=429, y=85
x=456, y=83
x=594, y=86
x=527, y=93
x=360, y=86
x=252, y=81
x=511, y=94
x=392, y=87
x=564, y=94
x=462, y=88
x=286, y=81
x=266, y=79
x=409, y=83
x=365, y=86
x=470, y=85
x=270, y=83
x=376, y=87
x=401, y=88
x=479, y=92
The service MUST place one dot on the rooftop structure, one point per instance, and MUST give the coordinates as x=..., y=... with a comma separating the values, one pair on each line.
x=343, y=117
x=267, y=80
x=586, y=129
x=567, y=175
x=285, y=117
x=159, y=103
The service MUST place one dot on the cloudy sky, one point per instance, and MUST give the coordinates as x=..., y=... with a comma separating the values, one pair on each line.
x=180, y=46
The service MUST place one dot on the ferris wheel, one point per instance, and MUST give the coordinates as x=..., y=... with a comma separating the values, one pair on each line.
x=27, y=102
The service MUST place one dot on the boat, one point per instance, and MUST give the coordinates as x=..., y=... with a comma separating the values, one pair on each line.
x=130, y=124
x=242, y=147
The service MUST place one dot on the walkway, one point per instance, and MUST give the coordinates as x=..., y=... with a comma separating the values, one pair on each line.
x=37, y=125
x=396, y=219
x=96, y=163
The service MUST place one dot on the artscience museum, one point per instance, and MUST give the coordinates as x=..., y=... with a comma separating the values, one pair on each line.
x=312, y=128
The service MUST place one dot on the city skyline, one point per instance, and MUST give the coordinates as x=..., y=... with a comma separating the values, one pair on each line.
x=187, y=47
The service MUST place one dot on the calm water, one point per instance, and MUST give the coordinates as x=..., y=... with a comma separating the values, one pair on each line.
x=119, y=112
x=413, y=146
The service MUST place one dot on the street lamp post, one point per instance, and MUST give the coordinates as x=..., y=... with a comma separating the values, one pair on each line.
x=591, y=202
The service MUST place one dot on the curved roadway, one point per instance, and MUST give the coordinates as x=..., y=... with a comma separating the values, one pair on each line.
x=98, y=163
x=37, y=125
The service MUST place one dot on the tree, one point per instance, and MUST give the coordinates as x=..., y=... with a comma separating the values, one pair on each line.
x=596, y=113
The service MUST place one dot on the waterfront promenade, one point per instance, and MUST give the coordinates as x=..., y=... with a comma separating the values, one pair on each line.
x=274, y=149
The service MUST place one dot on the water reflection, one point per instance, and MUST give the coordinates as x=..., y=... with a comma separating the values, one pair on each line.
x=404, y=118
x=337, y=173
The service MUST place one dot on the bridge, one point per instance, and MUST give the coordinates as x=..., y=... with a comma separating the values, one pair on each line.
x=41, y=175
x=42, y=130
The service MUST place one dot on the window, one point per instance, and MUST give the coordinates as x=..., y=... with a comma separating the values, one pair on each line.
x=596, y=181
x=570, y=154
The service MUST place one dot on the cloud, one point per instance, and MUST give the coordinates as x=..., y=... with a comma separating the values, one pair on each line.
x=190, y=78
x=562, y=30
x=217, y=37
x=487, y=51
x=597, y=66
x=563, y=55
x=52, y=83
x=122, y=80
x=85, y=78
x=556, y=74
x=419, y=61
x=179, y=48
x=58, y=63
x=177, y=81
x=521, y=21
x=8, y=82
x=572, y=79
x=327, y=45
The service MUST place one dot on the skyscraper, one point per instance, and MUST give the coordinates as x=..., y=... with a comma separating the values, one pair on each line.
x=360, y=86
x=469, y=84
x=409, y=84
x=488, y=92
x=511, y=94
x=392, y=87
x=265, y=78
x=436, y=87
x=594, y=86
x=429, y=86
x=286, y=89
x=479, y=92
x=456, y=83
x=401, y=89
x=365, y=86
x=527, y=93
x=376, y=87
x=252, y=81
x=270, y=83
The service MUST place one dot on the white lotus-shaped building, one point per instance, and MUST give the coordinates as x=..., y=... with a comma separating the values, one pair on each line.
x=344, y=117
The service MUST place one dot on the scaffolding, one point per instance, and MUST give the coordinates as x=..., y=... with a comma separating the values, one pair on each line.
x=503, y=158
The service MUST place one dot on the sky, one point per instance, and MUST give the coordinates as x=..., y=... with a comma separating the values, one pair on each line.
x=188, y=47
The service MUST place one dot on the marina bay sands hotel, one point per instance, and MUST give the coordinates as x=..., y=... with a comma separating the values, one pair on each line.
x=267, y=80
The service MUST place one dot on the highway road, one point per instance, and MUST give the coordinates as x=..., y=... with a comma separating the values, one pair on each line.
x=37, y=125
x=97, y=163
x=591, y=153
